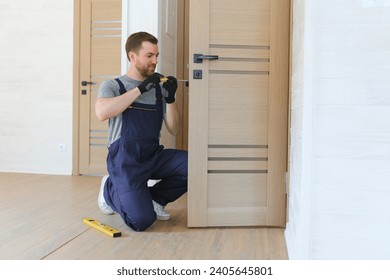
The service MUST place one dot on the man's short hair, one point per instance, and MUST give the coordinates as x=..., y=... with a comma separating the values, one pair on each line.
x=135, y=40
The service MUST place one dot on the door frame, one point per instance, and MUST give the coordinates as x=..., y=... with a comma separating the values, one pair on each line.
x=182, y=53
x=76, y=86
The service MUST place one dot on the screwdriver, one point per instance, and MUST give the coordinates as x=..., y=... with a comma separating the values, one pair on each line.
x=164, y=79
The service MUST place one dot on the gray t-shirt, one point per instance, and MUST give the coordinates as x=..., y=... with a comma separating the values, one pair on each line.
x=110, y=89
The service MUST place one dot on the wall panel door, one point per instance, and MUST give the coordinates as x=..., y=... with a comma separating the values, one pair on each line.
x=100, y=60
x=238, y=112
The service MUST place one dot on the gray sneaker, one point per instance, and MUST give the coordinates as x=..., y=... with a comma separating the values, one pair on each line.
x=106, y=209
x=162, y=215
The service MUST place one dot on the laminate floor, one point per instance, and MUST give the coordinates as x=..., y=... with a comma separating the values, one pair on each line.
x=41, y=218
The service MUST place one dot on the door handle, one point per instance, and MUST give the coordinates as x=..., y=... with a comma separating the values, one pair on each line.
x=84, y=83
x=198, y=58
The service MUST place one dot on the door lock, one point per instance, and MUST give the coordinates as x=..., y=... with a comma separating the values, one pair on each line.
x=197, y=74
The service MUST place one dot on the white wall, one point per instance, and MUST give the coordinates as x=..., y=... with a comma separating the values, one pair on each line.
x=348, y=192
x=36, y=86
x=298, y=228
x=137, y=15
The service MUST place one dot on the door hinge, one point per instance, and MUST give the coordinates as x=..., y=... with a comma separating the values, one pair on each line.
x=287, y=194
x=286, y=187
x=286, y=182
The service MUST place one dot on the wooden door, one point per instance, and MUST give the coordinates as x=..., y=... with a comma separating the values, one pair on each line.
x=173, y=60
x=167, y=60
x=100, y=59
x=238, y=113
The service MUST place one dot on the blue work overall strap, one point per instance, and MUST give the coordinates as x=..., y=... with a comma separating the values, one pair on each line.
x=122, y=88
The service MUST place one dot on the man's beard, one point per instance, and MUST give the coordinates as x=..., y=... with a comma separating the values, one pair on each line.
x=146, y=71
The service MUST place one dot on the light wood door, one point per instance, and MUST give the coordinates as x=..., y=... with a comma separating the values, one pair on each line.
x=100, y=59
x=238, y=113
x=167, y=60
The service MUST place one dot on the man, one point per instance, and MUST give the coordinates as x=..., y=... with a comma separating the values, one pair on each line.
x=136, y=105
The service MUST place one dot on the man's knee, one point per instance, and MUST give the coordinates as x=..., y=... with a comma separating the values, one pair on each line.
x=183, y=163
x=140, y=221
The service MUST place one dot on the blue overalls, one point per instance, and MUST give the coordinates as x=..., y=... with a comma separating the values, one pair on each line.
x=136, y=157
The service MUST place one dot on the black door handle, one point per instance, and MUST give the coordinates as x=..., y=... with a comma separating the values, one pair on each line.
x=198, y=58
x=84, y=83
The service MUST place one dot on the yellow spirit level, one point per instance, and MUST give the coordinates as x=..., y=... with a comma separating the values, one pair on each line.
x=102, y=227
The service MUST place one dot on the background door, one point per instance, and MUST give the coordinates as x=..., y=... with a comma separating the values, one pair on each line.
x=100, y=59
x=238, y=112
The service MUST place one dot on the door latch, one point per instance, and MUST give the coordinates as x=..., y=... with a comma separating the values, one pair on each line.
x=84, y=83
x=198, y=58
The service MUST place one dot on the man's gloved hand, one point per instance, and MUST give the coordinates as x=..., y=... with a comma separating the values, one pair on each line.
x=170, y=85
x=150, y=82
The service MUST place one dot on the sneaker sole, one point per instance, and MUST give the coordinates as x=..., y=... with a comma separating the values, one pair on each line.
x=163, y=218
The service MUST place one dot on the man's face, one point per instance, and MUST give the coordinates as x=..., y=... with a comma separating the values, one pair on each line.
x=146, y=59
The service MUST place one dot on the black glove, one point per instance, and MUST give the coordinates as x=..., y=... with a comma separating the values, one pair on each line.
x=170, y=85
x=150, y=82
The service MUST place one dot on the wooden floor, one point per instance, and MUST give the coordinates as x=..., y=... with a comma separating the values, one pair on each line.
x=41, y=218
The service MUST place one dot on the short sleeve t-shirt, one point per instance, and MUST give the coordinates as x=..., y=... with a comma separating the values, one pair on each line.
x=110, y=89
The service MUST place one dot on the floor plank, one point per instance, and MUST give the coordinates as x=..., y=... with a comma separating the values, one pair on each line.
x=41, y=217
